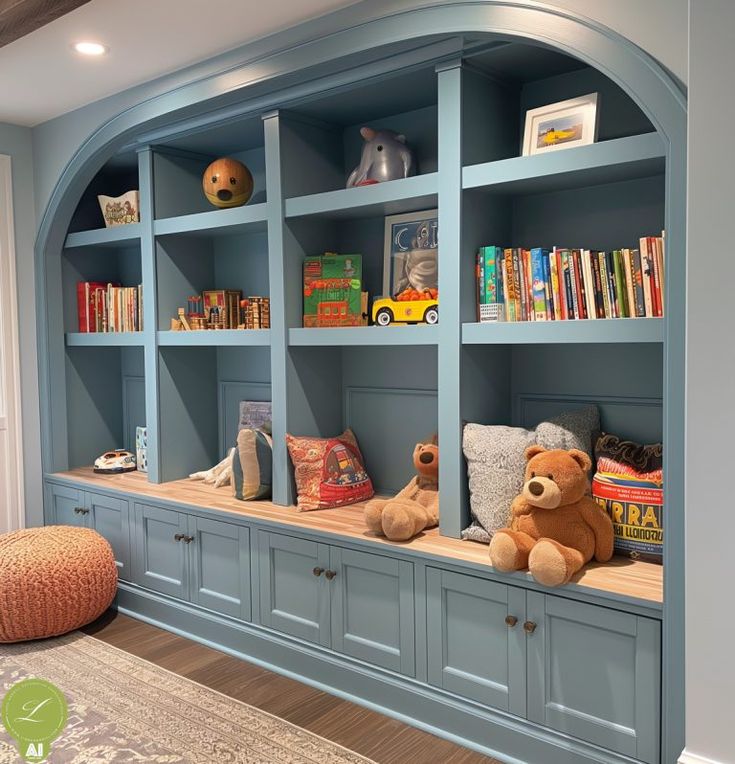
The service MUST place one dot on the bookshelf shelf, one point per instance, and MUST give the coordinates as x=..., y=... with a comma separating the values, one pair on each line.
x=216, y=338
x=248, y=219
x=612, y=330
x=637, y=156
x=104, y=339
x=368, y=336
x=405, y=195
x=117, y=236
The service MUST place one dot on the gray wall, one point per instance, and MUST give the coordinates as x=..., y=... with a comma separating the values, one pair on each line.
x=16, y=142
x=710, y=666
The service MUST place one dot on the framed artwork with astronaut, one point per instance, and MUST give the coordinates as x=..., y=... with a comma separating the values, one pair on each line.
x=411, y=255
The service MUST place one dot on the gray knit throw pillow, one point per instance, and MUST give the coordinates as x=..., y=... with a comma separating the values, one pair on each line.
x=496, y=464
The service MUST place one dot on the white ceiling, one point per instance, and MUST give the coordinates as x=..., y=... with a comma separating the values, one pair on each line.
x=42, y=77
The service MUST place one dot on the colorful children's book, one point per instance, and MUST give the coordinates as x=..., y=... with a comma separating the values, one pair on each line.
x=538, y=283
x=639, y=298
x=333, y=290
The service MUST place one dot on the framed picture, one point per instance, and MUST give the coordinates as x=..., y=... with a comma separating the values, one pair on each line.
x=411, y=252
x=561, y=125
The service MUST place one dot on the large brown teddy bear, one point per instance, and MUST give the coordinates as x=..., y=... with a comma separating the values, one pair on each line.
x=414, y=508
x=556, y=527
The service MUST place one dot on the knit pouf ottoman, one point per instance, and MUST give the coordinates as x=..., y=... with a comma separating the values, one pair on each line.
x=53, y=580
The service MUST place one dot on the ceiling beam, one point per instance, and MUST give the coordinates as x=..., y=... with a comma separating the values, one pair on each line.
x=21, y=17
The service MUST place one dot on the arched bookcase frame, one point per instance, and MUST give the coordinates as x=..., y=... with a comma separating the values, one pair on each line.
x=329, y=47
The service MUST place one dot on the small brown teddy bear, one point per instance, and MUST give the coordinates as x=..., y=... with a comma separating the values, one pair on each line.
x=556, y=528
x=414, y=508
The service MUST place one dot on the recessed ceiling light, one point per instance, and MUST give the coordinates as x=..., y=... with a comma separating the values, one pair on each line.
x=87, y=48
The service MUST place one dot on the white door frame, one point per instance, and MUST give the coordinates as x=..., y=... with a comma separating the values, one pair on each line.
x=12, y=502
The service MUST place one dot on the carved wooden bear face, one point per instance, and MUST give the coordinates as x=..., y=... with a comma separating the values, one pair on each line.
x=555, y=478
x=227, y=183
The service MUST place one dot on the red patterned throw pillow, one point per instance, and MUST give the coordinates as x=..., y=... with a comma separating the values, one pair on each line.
x=329, y=472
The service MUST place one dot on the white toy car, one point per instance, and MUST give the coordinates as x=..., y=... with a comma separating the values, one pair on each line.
x=115, y=461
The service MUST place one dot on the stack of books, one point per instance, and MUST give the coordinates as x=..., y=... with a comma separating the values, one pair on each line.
x=109, y=307
x=559, y=284
x=256, y=313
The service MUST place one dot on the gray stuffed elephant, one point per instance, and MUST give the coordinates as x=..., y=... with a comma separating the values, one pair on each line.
x=385, y=156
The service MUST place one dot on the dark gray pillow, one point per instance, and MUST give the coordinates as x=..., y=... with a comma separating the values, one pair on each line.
x=496, y=464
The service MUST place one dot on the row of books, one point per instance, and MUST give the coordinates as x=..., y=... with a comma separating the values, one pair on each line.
x=109, y=307
x=539, y=284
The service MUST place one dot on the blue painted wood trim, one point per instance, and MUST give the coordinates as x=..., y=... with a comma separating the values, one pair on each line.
x=282, y=488
x=452, y=485
x=104, y=339
x=492, y=733
x=637, y=156
x=215, y=338
x=366, y=336
x=150, y=312
x=404, y=195
x=229, y=221
x=101, y=237
x=619, y=330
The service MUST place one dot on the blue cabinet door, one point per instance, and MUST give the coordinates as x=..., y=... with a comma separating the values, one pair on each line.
x=476, y=645
x=161, y=554
x=594, y=673
x=110, y=517
x=373, y=609
x=65, y=506
x=294, y=594
x=220, y=566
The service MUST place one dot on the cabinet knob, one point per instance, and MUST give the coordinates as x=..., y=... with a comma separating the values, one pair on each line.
x=318, y=571
x=330, y=574
x=188, y=539
x=179, y=537
x=529, y=627
x=511, y=620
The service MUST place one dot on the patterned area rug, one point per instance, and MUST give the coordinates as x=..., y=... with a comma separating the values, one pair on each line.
x=125, y=709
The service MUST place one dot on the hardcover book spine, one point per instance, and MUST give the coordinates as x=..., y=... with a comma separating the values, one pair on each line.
x=556, y=295
x=478, y=280
x=647, y=276
x=654, y=246
x=510, y=286
x=538, y=285
x=661, y=240
x=611, y=281
x=628, y=273
x=597, y=280
x=500, y=274
x=606, y=296
x=620, y=288
x=589, y=284
x=489, y=270
x=568, y=285
x=546, y=263
x=517, y=286
x=579, y=282
x=639, y=300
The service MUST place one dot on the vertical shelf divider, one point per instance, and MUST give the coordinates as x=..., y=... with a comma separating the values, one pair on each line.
x=150, y=312
x=282, y=489
x=451, y=468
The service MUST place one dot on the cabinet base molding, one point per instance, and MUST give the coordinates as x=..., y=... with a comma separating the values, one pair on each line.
x=492, y=733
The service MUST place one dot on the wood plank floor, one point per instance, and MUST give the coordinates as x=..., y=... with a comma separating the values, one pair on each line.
x=371, y=734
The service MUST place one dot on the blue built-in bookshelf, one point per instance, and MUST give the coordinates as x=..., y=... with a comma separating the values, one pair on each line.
x=603, y=195
x=461, y=105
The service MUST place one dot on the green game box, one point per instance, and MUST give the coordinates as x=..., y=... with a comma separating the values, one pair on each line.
x=333, y=290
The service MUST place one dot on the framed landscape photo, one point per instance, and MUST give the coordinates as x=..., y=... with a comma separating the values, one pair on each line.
x=561, y=125
x=411, y=254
